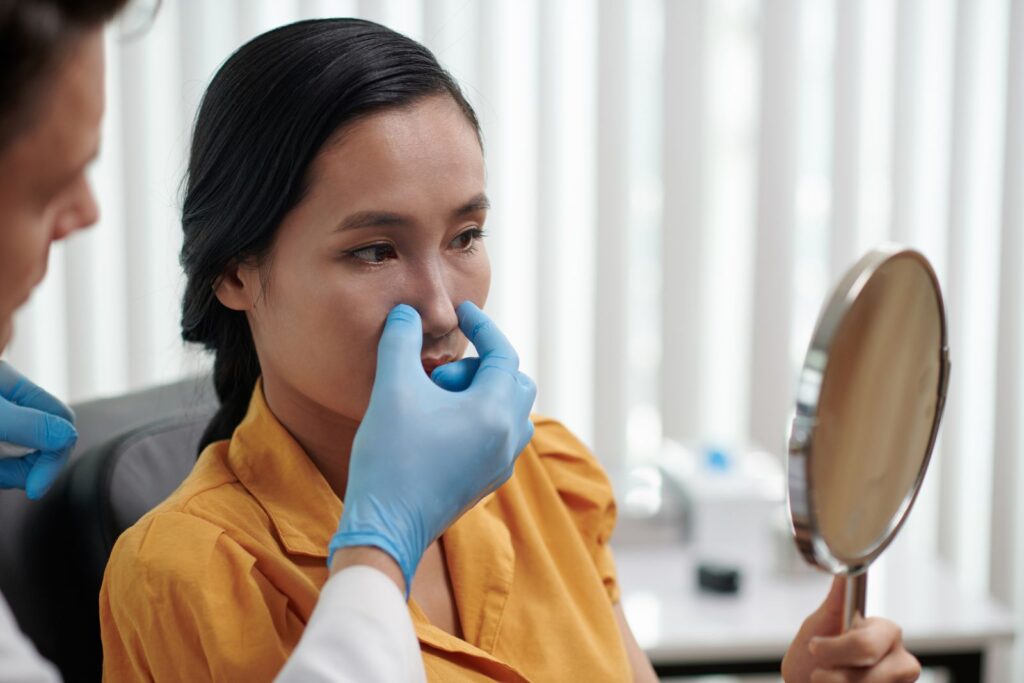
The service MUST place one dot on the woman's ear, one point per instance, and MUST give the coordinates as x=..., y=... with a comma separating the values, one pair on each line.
x=236, y=287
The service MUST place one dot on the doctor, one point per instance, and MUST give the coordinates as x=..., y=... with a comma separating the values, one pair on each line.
x=51, y=106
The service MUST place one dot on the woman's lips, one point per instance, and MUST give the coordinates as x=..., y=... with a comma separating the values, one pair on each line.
x=430, y=364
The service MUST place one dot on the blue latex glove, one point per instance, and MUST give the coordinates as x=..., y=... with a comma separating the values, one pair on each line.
x=427, y=451
x=34, y=419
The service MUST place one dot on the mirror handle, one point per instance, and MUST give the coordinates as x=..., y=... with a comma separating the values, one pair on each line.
x=856, y=597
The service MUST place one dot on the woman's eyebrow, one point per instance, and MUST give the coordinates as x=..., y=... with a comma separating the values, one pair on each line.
x=478, y=203
x=371, y=219
x=379, y=219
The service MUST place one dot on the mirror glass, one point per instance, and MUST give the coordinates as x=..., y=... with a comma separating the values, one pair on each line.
x=877, y=408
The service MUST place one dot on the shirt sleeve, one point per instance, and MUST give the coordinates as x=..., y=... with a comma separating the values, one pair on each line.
x=360, y=631
x=19, y=661
x=585, y=490
x=182, y=601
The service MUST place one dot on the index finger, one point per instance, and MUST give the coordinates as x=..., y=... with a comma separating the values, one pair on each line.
x=864, y=645
x=493, y=347
x=19, y=390
x=398, y=351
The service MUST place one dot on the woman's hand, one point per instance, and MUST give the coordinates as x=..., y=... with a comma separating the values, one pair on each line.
x=870, y=652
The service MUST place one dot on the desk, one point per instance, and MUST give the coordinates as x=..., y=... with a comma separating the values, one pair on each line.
x=686, y=632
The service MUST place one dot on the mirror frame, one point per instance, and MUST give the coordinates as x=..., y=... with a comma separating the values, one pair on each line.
x=800, y=494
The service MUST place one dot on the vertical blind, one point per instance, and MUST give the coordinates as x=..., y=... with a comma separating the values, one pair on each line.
x=676, y=184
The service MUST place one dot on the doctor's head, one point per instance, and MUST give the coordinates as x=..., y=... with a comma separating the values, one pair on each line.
x=51, y=104
x=336, y=170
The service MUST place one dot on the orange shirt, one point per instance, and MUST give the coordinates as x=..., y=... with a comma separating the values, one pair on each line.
x=218, y=581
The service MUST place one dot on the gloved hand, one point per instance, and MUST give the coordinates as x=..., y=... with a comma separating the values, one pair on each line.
x=427, y=451
x=34, y=419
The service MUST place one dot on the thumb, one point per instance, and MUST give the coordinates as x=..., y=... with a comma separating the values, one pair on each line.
x=398, y=352
x=827, y=620
x=456, y=376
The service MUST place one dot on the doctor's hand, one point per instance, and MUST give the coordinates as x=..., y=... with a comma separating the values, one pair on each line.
x=35, y=420
x=428, y=450
x=870, y=652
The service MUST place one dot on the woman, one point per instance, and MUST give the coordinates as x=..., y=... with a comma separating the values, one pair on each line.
x=336, y=172
x=51, y=101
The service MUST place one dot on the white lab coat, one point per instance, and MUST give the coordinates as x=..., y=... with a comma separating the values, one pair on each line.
x=360, y=631
x=19, y=660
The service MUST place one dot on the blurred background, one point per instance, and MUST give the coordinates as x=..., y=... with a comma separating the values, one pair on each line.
x=676, y=186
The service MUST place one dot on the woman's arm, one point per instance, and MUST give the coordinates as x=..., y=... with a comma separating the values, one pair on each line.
x=643, y=672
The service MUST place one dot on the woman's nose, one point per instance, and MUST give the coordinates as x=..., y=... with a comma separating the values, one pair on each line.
x=435, y=305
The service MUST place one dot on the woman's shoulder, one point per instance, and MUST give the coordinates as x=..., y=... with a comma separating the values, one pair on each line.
x=206, y=506
x=583, y=490
x=577, y=476
x=559, y=449
x=165, y=544
x=550, y=435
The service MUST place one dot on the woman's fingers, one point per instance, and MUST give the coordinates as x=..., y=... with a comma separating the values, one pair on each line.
x=871, y=652
x=862, y=646
x=899, y=666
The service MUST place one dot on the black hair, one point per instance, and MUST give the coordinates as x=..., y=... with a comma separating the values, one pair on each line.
x=34, y=35
x=265, y=116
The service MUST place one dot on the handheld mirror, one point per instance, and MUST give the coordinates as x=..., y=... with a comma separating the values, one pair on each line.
x=869, y=402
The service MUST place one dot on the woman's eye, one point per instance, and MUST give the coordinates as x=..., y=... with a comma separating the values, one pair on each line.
x=467, y=240
x=375, y=253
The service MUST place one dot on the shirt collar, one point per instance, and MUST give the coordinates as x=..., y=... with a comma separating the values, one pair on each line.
x=481, y=563
x=279, y=474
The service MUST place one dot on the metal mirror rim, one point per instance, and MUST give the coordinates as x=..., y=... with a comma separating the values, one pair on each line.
x=809, y=540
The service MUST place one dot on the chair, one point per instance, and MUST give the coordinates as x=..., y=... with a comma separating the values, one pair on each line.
x=133, y=451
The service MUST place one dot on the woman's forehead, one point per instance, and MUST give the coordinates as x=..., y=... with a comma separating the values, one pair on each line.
x=415, y=160
x=428, y=139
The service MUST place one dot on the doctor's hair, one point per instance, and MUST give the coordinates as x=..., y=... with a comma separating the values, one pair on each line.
x=34, y=36
x=269, y=110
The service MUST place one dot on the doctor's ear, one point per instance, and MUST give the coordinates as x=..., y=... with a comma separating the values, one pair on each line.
x=238, y=286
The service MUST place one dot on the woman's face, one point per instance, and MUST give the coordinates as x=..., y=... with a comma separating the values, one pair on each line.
x=394, y=214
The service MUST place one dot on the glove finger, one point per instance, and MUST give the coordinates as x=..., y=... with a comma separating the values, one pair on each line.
x=35, y=428
x=14, y=471
x=493, y=347
x=398, y=352
x=44, y=472
x=19, y=390
x=456, y=376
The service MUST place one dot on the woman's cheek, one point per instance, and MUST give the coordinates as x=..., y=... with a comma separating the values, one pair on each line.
x=481, y=278
x=368, y=326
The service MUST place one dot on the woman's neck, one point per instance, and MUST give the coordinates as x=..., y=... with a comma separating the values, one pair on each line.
x=324, y=435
